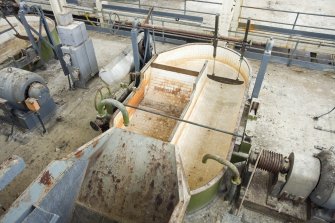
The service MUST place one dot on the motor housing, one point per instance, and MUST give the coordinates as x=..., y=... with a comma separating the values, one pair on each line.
x=16, y=86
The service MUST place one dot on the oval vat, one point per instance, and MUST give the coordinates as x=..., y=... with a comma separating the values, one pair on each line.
x=175, y=83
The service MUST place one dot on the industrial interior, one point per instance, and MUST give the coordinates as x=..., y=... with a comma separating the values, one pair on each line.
x=167, y=111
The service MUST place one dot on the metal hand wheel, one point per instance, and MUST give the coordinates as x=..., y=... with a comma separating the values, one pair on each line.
x=114, y=22
x=101, y=94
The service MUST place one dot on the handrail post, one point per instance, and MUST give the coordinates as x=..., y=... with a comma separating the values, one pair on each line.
x=295, y=21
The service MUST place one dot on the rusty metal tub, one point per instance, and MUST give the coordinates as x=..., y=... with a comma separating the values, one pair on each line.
x=119, y=176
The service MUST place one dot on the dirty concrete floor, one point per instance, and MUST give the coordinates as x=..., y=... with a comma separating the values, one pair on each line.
x=290, y=97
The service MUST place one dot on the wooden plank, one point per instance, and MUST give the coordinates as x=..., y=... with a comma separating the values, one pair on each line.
x=175, y=69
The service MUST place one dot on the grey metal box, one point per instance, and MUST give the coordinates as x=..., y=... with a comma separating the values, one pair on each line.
x=73, y=34
x=83, y=58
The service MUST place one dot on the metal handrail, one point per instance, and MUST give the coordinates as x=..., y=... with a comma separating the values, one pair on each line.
x=316, y=43
x=294, y=24
x=161, y=7
x=288, y=24
x=207, y=2
x=287, y=11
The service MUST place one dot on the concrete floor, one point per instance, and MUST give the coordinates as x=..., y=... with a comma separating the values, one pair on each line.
x=290, y=97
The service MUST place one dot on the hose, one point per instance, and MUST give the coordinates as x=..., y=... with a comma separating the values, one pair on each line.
x=88, y=19
x=236, y=179
x=317, y=117
x=108, y=105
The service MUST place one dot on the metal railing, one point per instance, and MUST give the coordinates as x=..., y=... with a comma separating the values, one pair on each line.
x=133, y=9
x=139, y=4
x=294, y=25
x=291, y=30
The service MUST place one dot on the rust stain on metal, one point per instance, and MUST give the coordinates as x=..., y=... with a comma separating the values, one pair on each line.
x=107, y=186
x=174, y=91
x=79, y=153
x=134, y=101
x=95, y=143
x=46, y=178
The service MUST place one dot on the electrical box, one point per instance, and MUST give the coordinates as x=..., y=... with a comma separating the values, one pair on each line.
x=73, y=34
x=82, y=58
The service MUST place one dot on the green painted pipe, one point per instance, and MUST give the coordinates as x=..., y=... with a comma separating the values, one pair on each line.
x=108, y=104
x=236, y=178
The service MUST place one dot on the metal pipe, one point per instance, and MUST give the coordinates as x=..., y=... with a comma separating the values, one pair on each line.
x=182, y=120
x=236, y=179
x=108, y=104
x=244, y=45
x=241, y=155
x=188, y=33
x=215, y=40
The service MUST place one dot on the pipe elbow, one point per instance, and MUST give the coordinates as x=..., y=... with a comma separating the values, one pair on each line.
x=108, y=104
x=236, y=179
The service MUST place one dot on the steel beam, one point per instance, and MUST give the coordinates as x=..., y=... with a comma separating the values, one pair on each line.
x=262, y=69
x=155, y=13
x=175, y=69
x=134, y=34
x=9, y=169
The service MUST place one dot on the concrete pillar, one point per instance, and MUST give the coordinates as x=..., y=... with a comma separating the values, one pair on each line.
x=98, y=5
x=236, y=15
x=226, y=16
x=58, y=8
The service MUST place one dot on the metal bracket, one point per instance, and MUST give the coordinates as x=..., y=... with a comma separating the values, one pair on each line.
x=24, y=9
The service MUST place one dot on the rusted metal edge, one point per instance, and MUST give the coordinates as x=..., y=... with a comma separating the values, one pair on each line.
x=175, y=69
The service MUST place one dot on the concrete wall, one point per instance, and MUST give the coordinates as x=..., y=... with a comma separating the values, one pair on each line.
x=226, y=15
